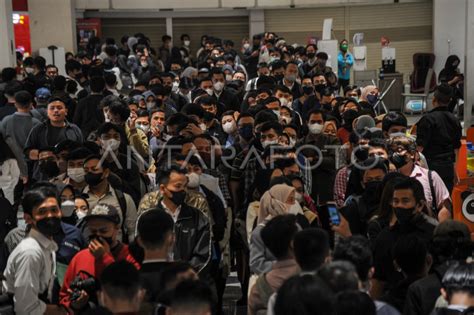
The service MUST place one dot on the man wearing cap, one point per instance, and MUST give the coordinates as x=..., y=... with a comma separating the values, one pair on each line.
x=262, y=69
x=42, y=96
x=438, y=137
x=103, y=222
x=15, y=128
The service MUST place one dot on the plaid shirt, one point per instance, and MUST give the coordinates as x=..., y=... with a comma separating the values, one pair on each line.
x=340, y=184
x=246, y=168
x=222, y=183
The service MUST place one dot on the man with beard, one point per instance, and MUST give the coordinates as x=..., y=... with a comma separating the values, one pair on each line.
x=360, y=208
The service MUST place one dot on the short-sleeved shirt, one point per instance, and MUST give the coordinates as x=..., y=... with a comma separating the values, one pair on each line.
x=440, y=190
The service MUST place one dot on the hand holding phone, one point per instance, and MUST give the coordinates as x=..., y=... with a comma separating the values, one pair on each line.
x=334, y=216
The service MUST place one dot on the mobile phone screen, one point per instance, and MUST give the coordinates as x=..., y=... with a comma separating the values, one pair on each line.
x=334, y=214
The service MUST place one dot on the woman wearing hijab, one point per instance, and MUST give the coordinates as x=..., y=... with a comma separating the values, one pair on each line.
x=454, y=78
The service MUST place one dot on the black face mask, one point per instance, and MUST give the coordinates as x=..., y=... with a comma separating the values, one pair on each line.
x=178, y=197
x=49, y=168
x=311, y=55
x=108, y=240
x=398, y=160
x=319, y=87
x=278, y=77
x=371, y=192
x=308, y=90
x=93, y=179
x=167, y=90
x=209, y=116
x=246, y=132
x=49, y=226
x=404, y=215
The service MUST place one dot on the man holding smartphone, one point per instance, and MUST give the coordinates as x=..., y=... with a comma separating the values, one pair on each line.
x=103, y=223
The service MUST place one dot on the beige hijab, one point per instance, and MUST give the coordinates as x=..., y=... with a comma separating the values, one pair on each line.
x=273, y=202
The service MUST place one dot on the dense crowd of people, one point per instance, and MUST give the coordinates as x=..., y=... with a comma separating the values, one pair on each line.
x=145, y=176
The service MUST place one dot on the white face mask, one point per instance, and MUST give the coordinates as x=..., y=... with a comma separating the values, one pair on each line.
x=209, y=91
x=193, y=180
x=246, y=46
x=203, y=126
x=113, y=144
x=29, y=70
x=144, y=128
x=228, y=77
x=150, y=105
x=286, y=120
x=67, y=208
x=295, y=209
x=269, y=143
x=187, y=43
x=229, y=127
x=80, y=214
x=76, y=174
x=144, y=64
x=175, y=86
x=218, y=86
x=292, y=142
x=298, y=197
x=283, y=101
x=316, y=128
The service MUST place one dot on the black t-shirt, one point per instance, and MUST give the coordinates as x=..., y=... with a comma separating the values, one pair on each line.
x=422, y=226
x=55, y=135
x=150, y=274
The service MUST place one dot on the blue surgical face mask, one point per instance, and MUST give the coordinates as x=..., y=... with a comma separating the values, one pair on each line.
x=246, y=132
x=372, y=99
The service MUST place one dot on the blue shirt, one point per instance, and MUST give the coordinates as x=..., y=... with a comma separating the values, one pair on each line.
x=70, y=242
x=343, y=72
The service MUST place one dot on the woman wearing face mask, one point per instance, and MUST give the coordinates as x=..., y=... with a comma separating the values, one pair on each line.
x=345, y=60
x=67, y=199
x=370, y=95
x=81, y=210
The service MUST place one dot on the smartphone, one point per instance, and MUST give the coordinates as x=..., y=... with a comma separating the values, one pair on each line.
x=334, y=217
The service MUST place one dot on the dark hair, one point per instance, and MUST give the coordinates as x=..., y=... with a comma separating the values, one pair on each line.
x=354, y=302
x=282, y=88
x=39, y=62
x=23, y=99
x=5, y=150
x=164, y=174
x=451, y=241
x=378, y=143
x=244, y=115
x=278, y=181
x=265, y=116
x=121, y=109
x=316, y=111
x=72, y=65
x=410, y=254
x=414, y=185
x=8, y=74
x=193, y=109
x=373, y=163
x=443, y=94
x=291, y=63
x=36, y=196
x=183, y=36
x=393, y=119
x=339, y=276
x=165, y=38
x=97, y=84
x=153, y=226
x=104, y=165
x=142, y=113
x=459, y=278
x=355, y=249
x=217, y=71
x=78, y=154
x=271, y=99
x=191, y=296
x=59, y=83
x=110, y=78
x=120, y=280
x=304, y=295
x=207, y=100
x=12, y=88
x=384, y=211
x=311, y=248
x=278, y=233
x=272, y=125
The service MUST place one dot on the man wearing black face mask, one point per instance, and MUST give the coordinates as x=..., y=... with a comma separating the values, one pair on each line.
x=47, y=163
x=437, y=196
x=30, y=268
x=103, y=222
x=408, y=204
x=192, y=228
x=360, y=208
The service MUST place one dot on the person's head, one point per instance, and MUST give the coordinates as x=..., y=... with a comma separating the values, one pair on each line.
x=458, y=285
x=372, y=173
x=191, y=297
x=451, y=241
x=120, y=288
x=103, y=222
x=48, y=162
x=284, y=94
x=327, y=96
x=75, y=164
x=270, y=133
x=172, y=183
x=330, y=128
x=229, y=125
x=394, y=122
x=351, y=302
x=155, y=231
x=57, y=111
x=67, y=199
x=291, y=71
x=402, y=152
x=23, y=100
x=356, y=250
x=378, y=147
x=410, y=256
x=97, y=171
x=97, y=84
x=339, y=276
x=8, y=74
x=166, y=39
x=344, y=45
x=118, y=113
x=442, y=95
x=311, y=247
x=11, y=89
x=408, y=200
x=304, y=295
x=245, y=125
x=209, y=105
x=74, y=69
x=41, y=210
x=316, y=119
x=110, y=137
x=319, y=81
x=218, y=79
x=52, y=71
x=157, y=118
x=278, y=234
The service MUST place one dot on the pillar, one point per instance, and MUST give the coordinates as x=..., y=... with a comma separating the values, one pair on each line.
x=256, y=22
x=52, y=22
x=469, y=64
x=7, y=37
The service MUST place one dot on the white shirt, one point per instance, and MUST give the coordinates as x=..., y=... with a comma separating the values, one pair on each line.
x=174, y=214
x=30, y=271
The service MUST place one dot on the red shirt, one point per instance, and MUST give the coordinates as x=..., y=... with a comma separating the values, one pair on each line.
x=343, y=135
x=85, y=261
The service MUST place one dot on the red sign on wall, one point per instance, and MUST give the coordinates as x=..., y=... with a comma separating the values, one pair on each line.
x=21, y=29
